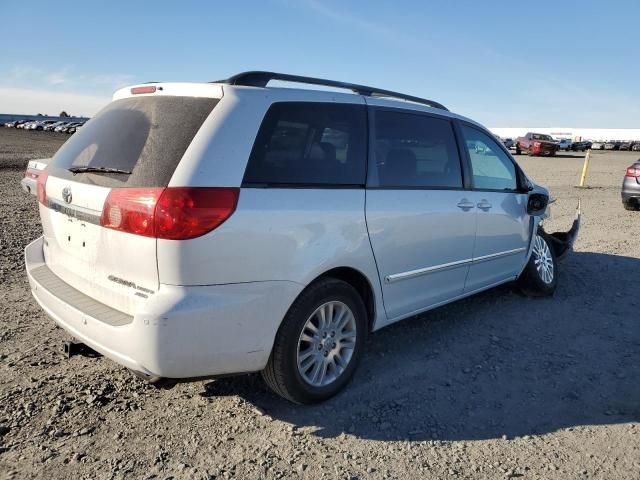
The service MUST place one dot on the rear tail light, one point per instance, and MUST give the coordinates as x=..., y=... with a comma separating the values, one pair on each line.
x=190, y=212
x=536, y=144
x=633, y=172
x=131, y=210
x=173, y=213
x=42, y=187
x=32, y=173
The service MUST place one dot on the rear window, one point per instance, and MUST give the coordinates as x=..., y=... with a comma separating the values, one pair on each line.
x=308, y=144
x=146, y=136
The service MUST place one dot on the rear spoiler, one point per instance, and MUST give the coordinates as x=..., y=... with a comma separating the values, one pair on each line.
x=562, y=242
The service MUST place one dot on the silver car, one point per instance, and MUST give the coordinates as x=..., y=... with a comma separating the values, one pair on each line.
x=198, y=230
x=631, y=187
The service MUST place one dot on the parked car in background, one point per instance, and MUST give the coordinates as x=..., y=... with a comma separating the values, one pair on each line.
x=581, y=146
x=66, y=128
x=597, y=146
x=636, y=147
x=34, y=169
x=52, y=126
x=40, y=124
x=24, y=124
x=74, y=128
x=564, y=144
x=15, y=123
x=631, y=187
x=612, y=145
x=176, y=252
x=508, y=142
x=536, y=144
x=625, y=146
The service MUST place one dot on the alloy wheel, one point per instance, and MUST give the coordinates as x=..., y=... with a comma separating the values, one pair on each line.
x=326, y=343
x=543, y=259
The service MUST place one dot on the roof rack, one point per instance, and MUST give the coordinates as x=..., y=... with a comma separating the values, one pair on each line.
x=260, y=79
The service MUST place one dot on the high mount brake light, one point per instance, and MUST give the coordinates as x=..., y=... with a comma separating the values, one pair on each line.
x=145, y=89
x=42, y=187
x=172, y=213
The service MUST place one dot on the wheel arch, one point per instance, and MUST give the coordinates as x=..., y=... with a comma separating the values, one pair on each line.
x=362, y=285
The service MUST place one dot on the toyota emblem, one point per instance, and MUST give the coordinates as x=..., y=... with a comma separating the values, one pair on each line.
x=66, y=194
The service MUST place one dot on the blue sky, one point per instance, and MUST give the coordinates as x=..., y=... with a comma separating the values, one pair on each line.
x=560, y=63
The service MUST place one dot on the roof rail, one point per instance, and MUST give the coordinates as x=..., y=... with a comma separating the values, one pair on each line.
x=260, y=79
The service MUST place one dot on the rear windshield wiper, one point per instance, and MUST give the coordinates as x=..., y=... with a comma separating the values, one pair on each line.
x=76, y=170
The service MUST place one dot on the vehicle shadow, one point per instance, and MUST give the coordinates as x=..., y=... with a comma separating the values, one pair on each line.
x=495, y=364
x=570, y=155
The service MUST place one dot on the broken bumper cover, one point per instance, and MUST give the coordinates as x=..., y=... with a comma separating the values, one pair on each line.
x=562, y=242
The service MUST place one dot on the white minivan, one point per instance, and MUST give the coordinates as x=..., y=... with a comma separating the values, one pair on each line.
x=200, y=230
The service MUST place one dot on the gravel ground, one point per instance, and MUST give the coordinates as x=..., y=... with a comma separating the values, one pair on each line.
x=494, y=386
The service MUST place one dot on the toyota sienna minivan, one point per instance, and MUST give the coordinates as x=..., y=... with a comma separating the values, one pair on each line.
x=206, y=229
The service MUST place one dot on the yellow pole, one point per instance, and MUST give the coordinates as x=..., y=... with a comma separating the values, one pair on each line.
x=585, y=168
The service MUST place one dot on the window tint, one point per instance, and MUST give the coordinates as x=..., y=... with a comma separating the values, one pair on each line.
x=304, y=143
x=490, y=165
x=538, y=136
x=414, y=151
x=146, y=136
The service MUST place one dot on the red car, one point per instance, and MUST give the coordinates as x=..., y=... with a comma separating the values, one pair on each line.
x=536, y=144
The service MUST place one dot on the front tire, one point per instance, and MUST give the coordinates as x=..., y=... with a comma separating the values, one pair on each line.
x=540, y=277
x=319, y=343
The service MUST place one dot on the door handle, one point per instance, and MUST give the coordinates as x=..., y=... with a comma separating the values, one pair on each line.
x=465, y=204
x=484, y=205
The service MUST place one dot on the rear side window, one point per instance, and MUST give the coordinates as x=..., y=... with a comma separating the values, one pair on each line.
x=413, y=150
x=492, y=169
x=146, y=136
x=307, y=144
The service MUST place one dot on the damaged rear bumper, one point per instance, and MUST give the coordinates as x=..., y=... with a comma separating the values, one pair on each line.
x=562, y=242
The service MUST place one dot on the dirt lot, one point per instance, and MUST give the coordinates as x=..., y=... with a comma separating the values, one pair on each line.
x=495, y=386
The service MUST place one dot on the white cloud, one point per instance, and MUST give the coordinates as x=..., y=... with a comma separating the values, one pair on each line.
x=67, y=78
x=57, y=78
x=30, y=90
x=50, y=102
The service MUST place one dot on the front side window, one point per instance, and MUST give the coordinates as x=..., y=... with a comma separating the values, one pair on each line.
x=308, y=143
x=492, y=169
x=413, y=150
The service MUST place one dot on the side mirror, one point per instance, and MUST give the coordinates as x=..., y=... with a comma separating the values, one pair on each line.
x=537, y=203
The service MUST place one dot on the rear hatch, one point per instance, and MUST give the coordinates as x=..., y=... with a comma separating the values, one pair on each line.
x=132, y=145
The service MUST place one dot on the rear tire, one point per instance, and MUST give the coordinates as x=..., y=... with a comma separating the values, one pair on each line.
x=631, y=206
x=314, y=356
x=540, y=277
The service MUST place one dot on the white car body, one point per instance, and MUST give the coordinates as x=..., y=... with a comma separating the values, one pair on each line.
x=213, y=304
x=34, y=169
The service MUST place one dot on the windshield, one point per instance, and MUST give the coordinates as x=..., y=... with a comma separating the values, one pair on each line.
x=540, y=136
x=146, y=136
